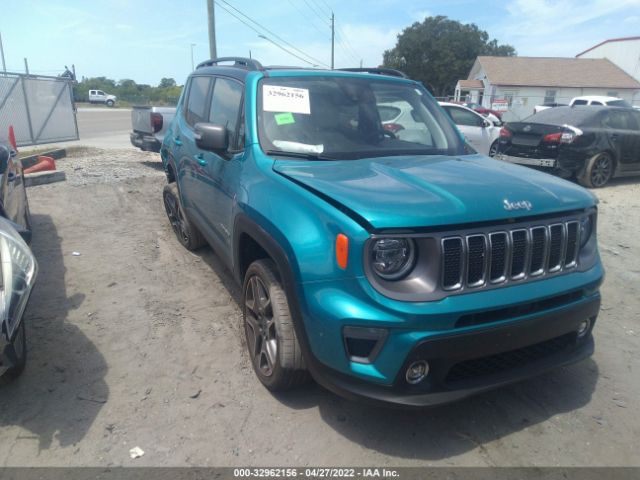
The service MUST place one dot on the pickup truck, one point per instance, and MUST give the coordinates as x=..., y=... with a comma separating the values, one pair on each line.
x=149, y=125
x=398, y=270
x=98, y=96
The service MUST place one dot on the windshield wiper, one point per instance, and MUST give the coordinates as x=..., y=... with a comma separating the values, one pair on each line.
x=305, y=156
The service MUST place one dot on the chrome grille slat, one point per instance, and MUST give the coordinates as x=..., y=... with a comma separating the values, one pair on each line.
x=476, y=260
x=498, y=256
x=538, y=239
x=573, y=240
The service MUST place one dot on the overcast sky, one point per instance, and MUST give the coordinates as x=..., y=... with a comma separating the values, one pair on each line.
x=146, y=40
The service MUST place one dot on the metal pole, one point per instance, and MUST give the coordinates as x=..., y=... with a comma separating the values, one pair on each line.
x=192, y=64
x=4, y=66
x=26, y=65
x=333, y=37
x=212, y=29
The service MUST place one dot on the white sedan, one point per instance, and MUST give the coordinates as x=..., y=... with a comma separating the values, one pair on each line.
x=480, y=132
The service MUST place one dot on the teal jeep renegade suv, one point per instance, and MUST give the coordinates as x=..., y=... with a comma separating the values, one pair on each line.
x=376, y=251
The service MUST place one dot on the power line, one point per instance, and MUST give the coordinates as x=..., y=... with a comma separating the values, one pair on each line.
x=346, y=46
x=318, y=13
x=304, y=15
x=319, y=62
x=343, y=41
x=262, y=34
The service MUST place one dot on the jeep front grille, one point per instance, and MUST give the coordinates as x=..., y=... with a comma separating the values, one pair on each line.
x=480, y=259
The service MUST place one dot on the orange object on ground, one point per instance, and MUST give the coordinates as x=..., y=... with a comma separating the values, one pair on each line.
x=12, y=138
x=42, y=165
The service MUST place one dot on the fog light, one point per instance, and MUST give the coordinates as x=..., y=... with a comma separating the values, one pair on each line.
x=417, y=372
x=583, y=328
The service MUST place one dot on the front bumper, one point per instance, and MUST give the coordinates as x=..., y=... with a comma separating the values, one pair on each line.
x=469, y=363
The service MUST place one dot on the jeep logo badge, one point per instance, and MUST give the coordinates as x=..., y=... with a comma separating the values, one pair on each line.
x=521, y=205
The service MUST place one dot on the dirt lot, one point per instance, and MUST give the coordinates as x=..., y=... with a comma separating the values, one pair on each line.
x=136, y=342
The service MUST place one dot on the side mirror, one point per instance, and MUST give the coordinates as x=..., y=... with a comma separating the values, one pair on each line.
x=5, y=155
x=486, y=124
x=210, y=137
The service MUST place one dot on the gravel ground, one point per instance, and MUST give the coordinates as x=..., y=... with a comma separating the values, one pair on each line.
x=137, y=342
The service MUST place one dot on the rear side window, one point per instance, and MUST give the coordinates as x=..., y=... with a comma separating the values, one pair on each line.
x=225, y=106
x=464, y=117
x=618, y=120
x=197, y=102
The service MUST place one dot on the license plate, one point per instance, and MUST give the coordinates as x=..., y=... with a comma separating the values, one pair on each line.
x=526, y=141
x=537, y=162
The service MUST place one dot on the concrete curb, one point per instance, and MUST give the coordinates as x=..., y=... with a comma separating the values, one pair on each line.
x=42, y=178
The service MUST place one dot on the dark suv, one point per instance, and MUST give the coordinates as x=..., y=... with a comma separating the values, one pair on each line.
x=391, y=265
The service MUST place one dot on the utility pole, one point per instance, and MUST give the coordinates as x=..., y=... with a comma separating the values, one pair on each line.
x=26, y=65
x=4, y=66
x=212, y=29
x=333, y=37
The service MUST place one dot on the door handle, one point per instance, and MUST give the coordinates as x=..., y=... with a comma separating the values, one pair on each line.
x=200, y=158
x=177, y=141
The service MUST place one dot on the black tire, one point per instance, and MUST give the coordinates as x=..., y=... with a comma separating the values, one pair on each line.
x=273, y=348
x=493, y=149
x=17, y=353
x=598, y=171
x=110, y=103
x=188, y=235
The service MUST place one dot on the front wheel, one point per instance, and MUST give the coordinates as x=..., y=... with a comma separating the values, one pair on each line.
x=17, y=353
x=493, y=149
x=271, y=340
x=110, y=103
x=597, y=172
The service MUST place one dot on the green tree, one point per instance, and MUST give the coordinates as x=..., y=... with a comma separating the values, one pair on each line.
x=438, y=52
x=167, y=83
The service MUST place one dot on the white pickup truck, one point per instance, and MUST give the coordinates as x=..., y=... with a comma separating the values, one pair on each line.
x=98, y=96
x=149, y=125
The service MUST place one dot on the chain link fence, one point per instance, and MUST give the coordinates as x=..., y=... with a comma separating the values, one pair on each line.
x=40, y=109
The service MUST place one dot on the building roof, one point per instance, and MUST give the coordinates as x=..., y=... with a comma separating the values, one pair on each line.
x=622, y=39
x=470, y=84
x=556, y=72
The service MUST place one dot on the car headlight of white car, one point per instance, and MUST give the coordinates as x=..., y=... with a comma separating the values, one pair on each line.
x=19, y=271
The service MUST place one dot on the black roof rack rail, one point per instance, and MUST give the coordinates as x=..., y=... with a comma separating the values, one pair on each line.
x=248, y=63
x=377, y=70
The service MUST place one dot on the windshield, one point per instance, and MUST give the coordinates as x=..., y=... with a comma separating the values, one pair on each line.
x=618, y=103
x=346, y=118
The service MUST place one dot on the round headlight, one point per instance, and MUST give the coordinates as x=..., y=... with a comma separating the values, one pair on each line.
x=586, y=226
x=393, y=258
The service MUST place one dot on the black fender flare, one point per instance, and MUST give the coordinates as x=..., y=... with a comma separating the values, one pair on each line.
x=246, y=225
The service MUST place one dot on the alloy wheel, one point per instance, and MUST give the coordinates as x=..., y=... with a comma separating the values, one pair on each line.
x=260, y=326
x=601, y=171
x=175, y=216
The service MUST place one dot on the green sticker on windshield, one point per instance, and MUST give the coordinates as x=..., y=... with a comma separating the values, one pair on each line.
x=284, y=118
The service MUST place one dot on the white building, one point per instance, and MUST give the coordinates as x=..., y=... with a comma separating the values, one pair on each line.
x=517, y=84
x=624, y=52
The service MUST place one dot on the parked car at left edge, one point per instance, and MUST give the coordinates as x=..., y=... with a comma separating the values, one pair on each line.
x=18, y=266
x=591, y=143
